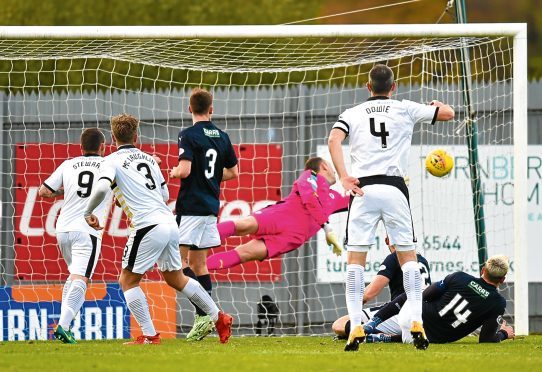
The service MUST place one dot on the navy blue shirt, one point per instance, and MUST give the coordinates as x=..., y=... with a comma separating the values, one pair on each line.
x=210, y=151
x=459, y=305
x=391, y=269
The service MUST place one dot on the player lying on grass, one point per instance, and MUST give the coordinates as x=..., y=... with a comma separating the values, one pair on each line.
x=456, y=306
x=79, y=244
x=390, y=274
x=287, y=225
x=141, y=190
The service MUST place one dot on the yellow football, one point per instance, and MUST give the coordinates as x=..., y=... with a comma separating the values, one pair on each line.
x=439, y=163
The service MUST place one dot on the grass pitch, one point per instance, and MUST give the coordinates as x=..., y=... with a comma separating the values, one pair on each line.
x=270, y=354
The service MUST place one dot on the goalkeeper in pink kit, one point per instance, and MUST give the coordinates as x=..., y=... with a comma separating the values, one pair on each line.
x=287, y=225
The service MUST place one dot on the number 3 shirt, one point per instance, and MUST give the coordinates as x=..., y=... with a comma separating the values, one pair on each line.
x=77, y=176
x=380, y=131
x=210, y=151
x=137, y=184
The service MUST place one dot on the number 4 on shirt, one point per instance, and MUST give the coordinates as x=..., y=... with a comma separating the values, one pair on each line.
x=383, y=134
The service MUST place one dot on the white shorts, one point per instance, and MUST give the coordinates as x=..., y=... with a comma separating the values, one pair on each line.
x=390, y=326
x=154, y=244
x=80, y=251
x=199, y=232
x=379, y=203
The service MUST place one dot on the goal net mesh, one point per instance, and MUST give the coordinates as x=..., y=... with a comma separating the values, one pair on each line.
x=277, y=99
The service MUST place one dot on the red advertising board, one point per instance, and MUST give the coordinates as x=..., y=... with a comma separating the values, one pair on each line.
x=37, y=257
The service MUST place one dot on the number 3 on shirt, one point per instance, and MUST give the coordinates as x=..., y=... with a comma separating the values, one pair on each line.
x=211, y=156
x=151, y=185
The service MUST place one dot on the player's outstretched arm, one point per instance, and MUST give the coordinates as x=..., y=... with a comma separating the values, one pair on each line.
x=230, y=173
x=45, y=192
x=332, y=240
x=445, y=112
x=98, y=194
x=336, y=138
x=182, y=170
x=376, y=286
x=492, y=333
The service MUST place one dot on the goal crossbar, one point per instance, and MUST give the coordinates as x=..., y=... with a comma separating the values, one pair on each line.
x=262, y=31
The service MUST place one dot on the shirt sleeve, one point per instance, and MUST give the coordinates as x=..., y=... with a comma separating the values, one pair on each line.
x=55, y=180
x=340, y=202
x=186, y=146
x=307, y=187
x=231, y=159
x=490, y=328
x=436, y=290
x=107, y=171
x=420, y=112
x=342, y=124
x=388, y=267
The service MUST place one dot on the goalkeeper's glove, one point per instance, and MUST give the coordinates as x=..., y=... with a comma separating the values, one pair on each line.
x=332, y=241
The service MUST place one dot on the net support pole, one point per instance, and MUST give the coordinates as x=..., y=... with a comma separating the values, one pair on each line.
x=472, y=143
x=520, y=132
x=3, y=258
x=302, y=262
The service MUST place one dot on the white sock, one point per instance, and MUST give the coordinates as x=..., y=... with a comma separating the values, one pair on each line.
x=412, y=281
x=355, y=286
x=65, y=290
x=71, y=304
x=199, y=296
x=137, y=303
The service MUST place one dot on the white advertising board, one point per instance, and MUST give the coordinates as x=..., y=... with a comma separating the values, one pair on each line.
x=443, y=214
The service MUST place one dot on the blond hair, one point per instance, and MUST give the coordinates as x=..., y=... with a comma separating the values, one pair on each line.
x=124, y=128
x=497, y=267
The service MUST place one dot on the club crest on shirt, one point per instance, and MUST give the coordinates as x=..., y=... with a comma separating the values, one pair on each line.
x=312, y=181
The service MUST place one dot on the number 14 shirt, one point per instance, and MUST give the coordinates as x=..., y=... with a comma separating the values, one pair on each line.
x=380, y=131
x=210, y=151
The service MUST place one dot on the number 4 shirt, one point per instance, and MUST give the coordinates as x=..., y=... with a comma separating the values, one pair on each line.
x=136, y=181
x=77, y=176
x=380, y=132
x=210, y=151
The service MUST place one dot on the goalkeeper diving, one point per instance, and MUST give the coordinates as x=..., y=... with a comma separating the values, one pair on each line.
x=288, y=224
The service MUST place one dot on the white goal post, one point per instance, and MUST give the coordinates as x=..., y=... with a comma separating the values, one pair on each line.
x=516, y=32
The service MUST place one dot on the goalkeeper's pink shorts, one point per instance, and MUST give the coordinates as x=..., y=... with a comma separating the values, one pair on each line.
x=283, y=228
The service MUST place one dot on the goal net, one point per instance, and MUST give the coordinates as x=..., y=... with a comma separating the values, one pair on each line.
x=277, y=98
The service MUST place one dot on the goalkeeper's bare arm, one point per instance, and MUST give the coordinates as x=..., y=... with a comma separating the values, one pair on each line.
x=287, y=225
